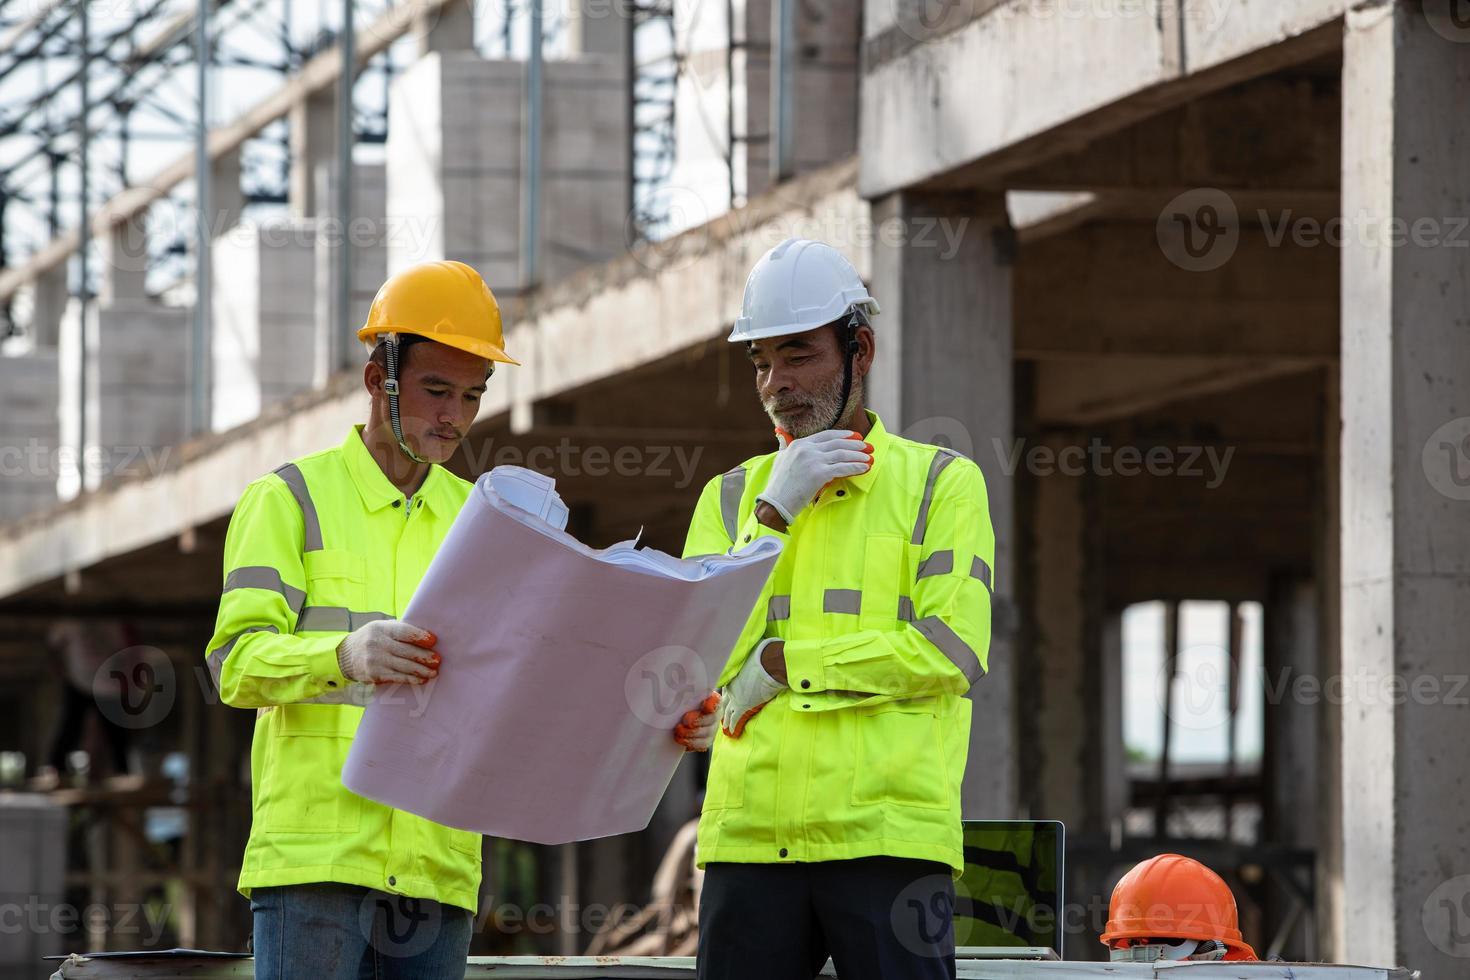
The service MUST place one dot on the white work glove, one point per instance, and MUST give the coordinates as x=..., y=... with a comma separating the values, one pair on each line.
x=750, y=691
x=806, y=465
x=696, y=730
x=388, y=651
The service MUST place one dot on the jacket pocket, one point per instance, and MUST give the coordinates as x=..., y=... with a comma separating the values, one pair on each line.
x=304, y=792
x=335, y=578
x=901, y=755
x=464, y=841
x=729, y=758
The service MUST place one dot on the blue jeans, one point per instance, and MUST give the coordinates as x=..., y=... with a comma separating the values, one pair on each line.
x=345, y=932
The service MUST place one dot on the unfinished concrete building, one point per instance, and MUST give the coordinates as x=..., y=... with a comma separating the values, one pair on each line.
x=1189, y=281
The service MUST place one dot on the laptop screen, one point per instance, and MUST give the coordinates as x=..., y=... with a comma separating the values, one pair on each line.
x=1011, y=891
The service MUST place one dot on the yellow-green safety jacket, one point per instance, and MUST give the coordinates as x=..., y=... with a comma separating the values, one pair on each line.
x=883, y=595
x=316, y=549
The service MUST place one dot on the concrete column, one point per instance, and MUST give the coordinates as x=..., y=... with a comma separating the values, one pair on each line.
x=1331, y=929
x=1291, y=760
x=266, y=343
x=1405, y=513
x=448, y=28
x=368, y=232
x=1061, y=696
x=599, y=29
x=942, y=273
x=49, y=297
x=1113, y=788
x=227, y=198
x=125, y=261
x=313, y=126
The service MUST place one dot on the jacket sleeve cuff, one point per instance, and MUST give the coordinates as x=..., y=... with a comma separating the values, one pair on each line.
x=322, y=662
x=753, y=529
x=805, y=672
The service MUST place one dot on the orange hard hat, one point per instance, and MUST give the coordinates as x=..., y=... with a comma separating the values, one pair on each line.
x=1174, y=897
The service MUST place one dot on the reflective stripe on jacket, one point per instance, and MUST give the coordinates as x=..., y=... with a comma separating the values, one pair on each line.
x=883, y=597
x=314, y=550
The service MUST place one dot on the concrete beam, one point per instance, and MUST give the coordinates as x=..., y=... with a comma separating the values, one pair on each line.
x=683, y=293
x=1042, y=214
x=1024, y=82
x=1274, y=134
x=1088, y=393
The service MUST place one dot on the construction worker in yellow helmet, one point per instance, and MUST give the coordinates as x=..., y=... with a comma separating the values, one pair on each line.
x=321, y=558
x=832, y=809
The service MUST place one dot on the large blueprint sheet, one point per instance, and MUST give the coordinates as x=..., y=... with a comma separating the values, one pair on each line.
x=564, y=672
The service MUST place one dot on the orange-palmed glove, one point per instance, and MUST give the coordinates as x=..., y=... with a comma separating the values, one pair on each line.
x=750, y=691
x=696, y=730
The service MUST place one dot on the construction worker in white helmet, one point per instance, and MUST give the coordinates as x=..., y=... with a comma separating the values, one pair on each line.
x=832, y=812
x=321, y=558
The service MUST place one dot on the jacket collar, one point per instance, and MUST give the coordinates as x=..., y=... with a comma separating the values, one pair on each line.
x=879, y=439
x=376, y=490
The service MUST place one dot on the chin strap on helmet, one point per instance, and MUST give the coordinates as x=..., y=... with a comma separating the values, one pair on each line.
x=847, y=337
x=391, y=387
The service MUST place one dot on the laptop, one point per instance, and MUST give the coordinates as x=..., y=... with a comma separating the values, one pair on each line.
x=1009, y=900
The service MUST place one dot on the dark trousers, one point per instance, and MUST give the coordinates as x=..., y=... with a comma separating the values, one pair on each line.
x=345, y=932
x=879, y=918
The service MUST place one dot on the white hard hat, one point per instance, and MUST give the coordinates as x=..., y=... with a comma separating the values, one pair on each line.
x=798, y=286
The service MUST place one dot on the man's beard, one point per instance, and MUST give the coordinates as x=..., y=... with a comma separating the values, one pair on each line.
x=815, y=413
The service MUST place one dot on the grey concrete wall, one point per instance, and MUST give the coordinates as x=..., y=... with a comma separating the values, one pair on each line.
x=136, y=388
x=29, y=432
x=455, y=163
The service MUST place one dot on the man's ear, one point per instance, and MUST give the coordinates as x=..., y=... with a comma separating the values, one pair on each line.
x=373, y=377
x=867, y=341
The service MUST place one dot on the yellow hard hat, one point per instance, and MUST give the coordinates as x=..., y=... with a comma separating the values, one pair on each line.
x=446, y=302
